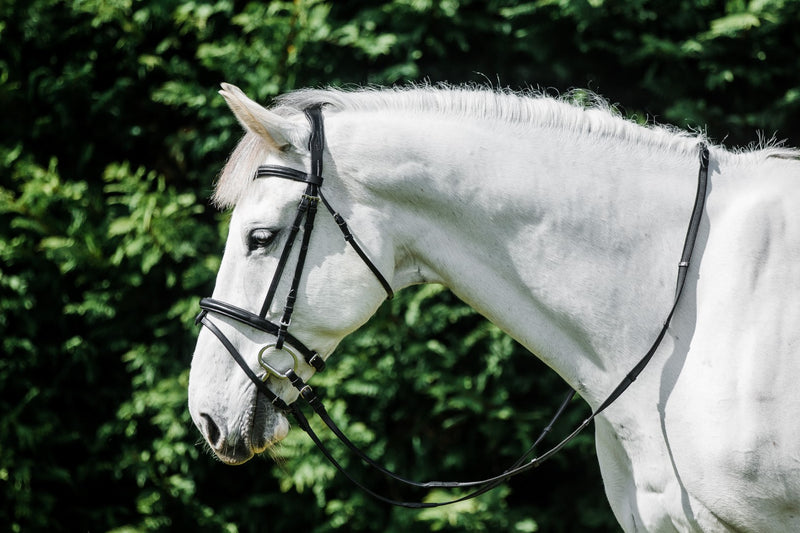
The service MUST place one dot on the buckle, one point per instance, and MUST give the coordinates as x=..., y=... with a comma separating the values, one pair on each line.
x=307, y=393
x=317, y=362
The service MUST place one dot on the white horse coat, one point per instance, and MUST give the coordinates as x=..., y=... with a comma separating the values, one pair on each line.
x=563, y=226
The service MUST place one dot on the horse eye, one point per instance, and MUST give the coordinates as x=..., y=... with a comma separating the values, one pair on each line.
x=260, y=238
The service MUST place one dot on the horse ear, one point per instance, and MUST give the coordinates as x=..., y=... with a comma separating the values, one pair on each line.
x=274, y=129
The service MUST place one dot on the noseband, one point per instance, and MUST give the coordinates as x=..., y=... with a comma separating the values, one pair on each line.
x=286, y=342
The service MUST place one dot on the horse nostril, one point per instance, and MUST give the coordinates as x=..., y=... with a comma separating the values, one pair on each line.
x=211, y=431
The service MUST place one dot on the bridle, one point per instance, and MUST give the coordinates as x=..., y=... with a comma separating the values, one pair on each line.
x=285, y=341
x=307, y=209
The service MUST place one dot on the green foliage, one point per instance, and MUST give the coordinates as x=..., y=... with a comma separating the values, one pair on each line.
x=110, y=138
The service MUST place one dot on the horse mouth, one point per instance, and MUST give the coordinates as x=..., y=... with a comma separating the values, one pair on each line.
x=267, y=425
x=260, y=428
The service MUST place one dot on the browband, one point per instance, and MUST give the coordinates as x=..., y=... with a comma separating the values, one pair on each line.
x=277, y=171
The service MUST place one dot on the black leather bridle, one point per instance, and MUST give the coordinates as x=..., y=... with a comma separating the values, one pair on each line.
x=285, y=341
x=307, y=209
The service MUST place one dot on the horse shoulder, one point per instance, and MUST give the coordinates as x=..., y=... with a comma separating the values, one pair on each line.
x=733, y=419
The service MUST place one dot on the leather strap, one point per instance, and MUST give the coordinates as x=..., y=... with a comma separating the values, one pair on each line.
x=288, y=309
x=284, y=258
x=288, y=173
x=683, y=265
x=202, y=318
x=351, y=240
x=253, y=320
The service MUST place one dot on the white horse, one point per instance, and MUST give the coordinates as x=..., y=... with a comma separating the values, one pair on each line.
x=563, y=225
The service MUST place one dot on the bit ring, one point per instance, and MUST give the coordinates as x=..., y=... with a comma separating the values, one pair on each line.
x=272, y=370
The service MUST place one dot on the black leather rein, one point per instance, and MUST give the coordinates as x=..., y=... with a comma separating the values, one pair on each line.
x=306, y=212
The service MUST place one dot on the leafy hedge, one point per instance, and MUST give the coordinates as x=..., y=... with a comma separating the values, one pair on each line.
x=110, y=138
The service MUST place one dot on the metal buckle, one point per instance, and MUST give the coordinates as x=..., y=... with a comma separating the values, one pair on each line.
x=272, y=370
x=307, y=393
x=317, y=362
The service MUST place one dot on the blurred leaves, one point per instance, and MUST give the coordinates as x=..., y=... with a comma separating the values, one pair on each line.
x=110, y=139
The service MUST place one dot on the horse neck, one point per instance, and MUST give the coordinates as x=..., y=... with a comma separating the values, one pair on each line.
x=568, y=244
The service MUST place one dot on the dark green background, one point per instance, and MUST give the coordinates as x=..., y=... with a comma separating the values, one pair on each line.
x=111, y=134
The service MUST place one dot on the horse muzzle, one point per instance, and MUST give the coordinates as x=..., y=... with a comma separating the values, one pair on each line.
x=238, y=433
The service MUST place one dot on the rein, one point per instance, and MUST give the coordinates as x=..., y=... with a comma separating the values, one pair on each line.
x=285, y=341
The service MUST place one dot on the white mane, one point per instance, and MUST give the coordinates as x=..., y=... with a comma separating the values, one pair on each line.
x=579, y=112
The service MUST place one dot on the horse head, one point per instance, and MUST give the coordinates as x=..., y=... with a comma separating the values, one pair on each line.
x=284, y=297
